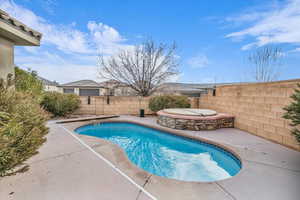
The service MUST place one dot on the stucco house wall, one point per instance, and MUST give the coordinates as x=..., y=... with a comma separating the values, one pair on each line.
x=77, y=90
x=51, y=88
x=6, y=58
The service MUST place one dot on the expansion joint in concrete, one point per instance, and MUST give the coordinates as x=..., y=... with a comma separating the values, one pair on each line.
x=226, y=192
x=271, y=165
x=58, y=156
x=144, y=185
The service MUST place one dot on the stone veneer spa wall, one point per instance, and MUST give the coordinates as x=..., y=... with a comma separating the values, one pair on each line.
x=194, y=119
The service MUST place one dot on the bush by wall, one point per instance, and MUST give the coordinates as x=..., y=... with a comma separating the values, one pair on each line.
x=22, y=129
x=60, y=104
x=168, y=101
x=293, y=113
x=27, y=81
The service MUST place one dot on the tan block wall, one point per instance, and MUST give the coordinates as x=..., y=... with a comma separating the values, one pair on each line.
x=119, y=105
x=257, y=108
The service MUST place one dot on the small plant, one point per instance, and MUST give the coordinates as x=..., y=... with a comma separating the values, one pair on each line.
x=168, y=101
x=22, y=129
x=60, y=104
x=293, y=113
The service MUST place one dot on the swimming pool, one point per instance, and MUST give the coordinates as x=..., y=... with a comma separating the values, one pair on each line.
x=165, y=154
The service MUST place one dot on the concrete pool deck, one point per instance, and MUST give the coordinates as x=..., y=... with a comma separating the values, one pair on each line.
x=65, y=168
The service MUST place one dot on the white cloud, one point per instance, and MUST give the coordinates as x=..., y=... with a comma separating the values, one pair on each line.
x=56, y=67
x=297, y=49
x=246, y=17
x=64, y=38
x=208, y=80
x=281, y=24
x=106, y=38
x=176, y=77
x=66, y=53
x=198, y=61
x=49, y=5
x=103, y=33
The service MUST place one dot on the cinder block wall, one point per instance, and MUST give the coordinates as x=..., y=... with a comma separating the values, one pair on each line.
x=119, y=105
x=257, y=108
x=113, y=105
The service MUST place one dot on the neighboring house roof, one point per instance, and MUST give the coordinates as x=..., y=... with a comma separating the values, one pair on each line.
x=183, y=87
x=82, y=83
x=18, y=32
x=189, y=87
x=166, y=87
x=112, y=84
x=48, y=82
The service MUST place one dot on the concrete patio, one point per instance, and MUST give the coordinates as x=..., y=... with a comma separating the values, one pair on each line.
x=71, y=166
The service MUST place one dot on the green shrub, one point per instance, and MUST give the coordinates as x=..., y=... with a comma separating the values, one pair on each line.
x=28, y=82
x=168, y=101
x=22, y=129
x=60, y=104
x=293, y=113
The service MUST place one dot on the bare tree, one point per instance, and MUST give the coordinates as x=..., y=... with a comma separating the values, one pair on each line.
x=266, y=61
x=143, y=69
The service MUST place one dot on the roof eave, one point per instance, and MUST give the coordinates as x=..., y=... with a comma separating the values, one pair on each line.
x=17, y=32
x=18, y=37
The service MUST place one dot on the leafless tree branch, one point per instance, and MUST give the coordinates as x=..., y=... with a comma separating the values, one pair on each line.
x=266, y=61
x=144, y=69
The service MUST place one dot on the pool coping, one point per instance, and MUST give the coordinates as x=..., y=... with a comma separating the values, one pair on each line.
x=138, y=170
x=86, y=119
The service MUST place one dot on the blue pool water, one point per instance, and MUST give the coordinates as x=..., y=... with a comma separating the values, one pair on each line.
x=167, y=155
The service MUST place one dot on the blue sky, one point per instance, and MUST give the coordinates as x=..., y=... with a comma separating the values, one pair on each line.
x=213, y=37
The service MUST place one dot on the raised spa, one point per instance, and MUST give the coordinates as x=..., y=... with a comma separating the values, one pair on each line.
x=167, y=155
x=194, y=119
